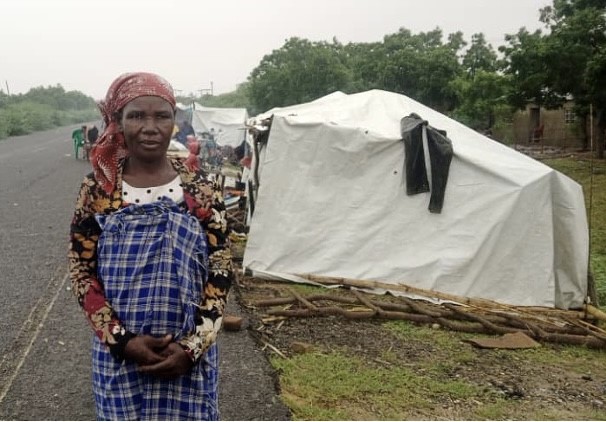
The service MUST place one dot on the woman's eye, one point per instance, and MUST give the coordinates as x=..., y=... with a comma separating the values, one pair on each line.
x=135, y=116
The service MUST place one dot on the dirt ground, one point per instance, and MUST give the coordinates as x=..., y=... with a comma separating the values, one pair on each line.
x=570, y=390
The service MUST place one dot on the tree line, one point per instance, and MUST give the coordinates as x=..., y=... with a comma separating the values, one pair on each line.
x=472, y=82
x=43, y=108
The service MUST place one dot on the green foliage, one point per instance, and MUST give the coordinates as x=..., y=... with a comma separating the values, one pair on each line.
x=43, y=108
x=236, y=99
x=575, y=48
x=417, y=65
x=480, y=98
x=569, y=60
x=57, y=98
x=298, y=72
x=527, y=63
x=479, y=56
x=339, y=385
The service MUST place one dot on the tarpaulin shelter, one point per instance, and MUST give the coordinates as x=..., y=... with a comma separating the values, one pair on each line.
x=333, y=200
x=228, y=123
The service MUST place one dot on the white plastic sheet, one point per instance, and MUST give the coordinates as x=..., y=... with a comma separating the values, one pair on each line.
x=332, y=201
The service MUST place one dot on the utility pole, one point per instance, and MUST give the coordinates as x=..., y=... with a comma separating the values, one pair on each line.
x=207, y=91
x=8, y=91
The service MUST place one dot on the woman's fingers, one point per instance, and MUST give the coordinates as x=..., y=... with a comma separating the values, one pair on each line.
x=146, y=350
x=176, y=363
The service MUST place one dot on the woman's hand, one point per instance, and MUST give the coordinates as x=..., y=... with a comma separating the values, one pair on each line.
x=146, y=349
x=176, y=362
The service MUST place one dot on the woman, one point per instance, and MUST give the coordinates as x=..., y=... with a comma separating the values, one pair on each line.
x=149, y=263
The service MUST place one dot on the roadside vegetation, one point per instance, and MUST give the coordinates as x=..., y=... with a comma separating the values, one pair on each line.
x=43, y=108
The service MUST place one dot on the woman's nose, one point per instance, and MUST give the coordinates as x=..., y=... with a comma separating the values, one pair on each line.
x=149, y=123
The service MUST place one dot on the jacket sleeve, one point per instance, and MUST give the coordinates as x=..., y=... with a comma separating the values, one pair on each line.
x=205, y=201
x=82, y=256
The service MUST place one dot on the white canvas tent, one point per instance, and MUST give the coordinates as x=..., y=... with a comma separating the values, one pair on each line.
x=332, y=202
x=228, y=123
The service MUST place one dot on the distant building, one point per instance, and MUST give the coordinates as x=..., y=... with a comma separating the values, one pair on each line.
x=560, y=127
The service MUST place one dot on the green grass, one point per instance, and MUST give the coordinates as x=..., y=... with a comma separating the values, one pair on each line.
x=332, y=386
x=578, y=358
x=337, y=385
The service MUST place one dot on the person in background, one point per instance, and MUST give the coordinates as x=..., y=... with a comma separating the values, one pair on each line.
x=79, y=138
x=192, y=161
x=91, y=135
x=185, y=130
x=149, y=263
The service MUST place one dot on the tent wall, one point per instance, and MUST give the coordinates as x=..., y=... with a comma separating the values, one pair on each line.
x=228, y=124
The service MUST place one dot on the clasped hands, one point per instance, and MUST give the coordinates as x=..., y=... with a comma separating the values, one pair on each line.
x=158, y=356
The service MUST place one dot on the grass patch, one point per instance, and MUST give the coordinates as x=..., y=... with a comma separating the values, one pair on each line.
x=332, y=386
x=575, y=358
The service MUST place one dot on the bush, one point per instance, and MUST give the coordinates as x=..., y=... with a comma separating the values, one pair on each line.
x=27, y=117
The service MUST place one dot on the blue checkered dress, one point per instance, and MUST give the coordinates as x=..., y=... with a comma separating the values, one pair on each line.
x=152, y=260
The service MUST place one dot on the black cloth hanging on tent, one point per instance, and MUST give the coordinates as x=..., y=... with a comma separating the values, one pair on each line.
x=440, y=155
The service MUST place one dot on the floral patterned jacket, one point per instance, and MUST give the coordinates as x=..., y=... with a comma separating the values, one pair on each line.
x=204, y=200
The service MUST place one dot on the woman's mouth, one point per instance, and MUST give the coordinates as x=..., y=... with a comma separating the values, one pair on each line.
x=150, y=144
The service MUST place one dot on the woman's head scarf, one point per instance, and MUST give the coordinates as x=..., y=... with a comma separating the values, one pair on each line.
x=110, y=148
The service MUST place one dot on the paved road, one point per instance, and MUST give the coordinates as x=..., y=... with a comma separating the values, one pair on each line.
x=44, y=340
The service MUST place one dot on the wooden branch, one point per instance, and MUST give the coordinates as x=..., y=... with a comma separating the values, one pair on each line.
x=275, y=349
x=428, y=293
x=478, y=316
x=304, y=301
x=368, y=303
x=485, y=323
x=499, y=318
x=596, y=313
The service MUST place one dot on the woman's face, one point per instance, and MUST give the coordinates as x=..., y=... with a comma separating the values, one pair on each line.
x=147, y=123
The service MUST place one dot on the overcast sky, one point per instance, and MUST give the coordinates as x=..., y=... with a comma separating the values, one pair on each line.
x=85, y=44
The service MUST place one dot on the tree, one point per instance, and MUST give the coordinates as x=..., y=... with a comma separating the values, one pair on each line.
x=422, y=67
x=235, y=99
x=569, y=61
x=481, y=91
x=480, y=98
x=300, y=71
x=527, y=63
x=578, y=40
x=58, y=98
x=365, y=61
x=479, y=56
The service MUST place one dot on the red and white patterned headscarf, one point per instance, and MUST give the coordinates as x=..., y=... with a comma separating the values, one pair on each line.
x=110, y=148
